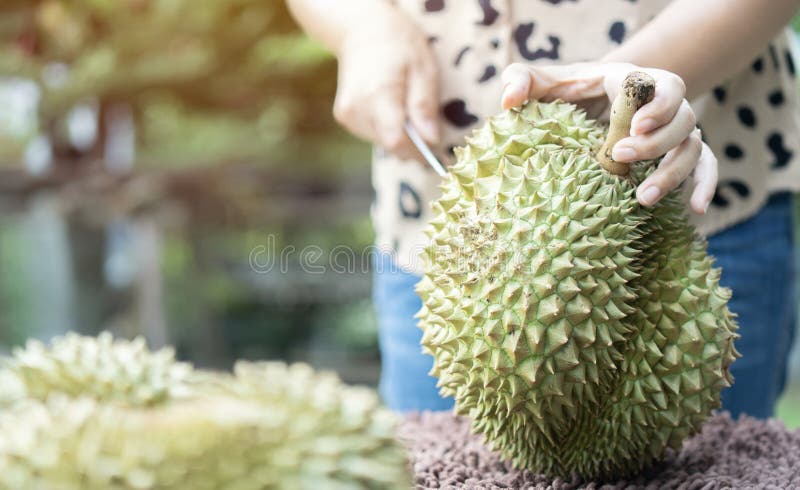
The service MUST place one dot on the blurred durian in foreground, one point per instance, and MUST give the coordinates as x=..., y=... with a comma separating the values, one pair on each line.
x=88, y=413
x=581, y=332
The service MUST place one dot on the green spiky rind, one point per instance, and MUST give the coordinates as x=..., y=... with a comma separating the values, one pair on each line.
x=676, y=363
x=267, y=426
x=529, y=279
x=102, y=368
x=682, y=355
x=528, y=226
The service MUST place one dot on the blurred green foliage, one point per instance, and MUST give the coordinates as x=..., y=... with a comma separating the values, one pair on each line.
x=14, y=284
x=208, y=81
x=788, y=410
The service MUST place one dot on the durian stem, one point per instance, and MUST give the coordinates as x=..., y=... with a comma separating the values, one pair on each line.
x=637, y=90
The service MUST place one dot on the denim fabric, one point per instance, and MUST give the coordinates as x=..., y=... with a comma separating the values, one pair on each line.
x=757, y=257
x=758, y=263
x=405, y=384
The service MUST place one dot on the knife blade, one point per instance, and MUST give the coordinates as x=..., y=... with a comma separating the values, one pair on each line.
x=424, y=149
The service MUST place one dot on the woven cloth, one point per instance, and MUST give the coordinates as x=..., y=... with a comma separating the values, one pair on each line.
x=743, y=453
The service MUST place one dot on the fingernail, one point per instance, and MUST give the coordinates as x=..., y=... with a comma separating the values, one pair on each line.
x=623, y=153
x=504, y=98
x=650, y=195
x=393, y=140
x=705, y=209
x=431, y=130
x=644, y=126
x=511, y=95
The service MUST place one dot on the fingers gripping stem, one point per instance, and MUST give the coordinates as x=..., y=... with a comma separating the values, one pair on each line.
x=637, y=90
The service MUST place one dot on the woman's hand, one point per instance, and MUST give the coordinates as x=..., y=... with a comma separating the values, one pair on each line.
x=666, y=125
x=387, y=74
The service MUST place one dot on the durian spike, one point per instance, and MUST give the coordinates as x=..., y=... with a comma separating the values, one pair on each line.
x=637, y=90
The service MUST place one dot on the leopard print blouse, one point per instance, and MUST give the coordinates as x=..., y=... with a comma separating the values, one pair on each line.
x=751, y=121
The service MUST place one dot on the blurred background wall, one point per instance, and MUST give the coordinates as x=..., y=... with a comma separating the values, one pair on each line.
x=171, y=169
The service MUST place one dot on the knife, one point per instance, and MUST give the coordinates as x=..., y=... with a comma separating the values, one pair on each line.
x=424, y=149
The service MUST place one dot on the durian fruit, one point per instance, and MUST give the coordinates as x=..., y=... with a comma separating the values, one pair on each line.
x=582, y=333
x=266, y=426
x=100, y=368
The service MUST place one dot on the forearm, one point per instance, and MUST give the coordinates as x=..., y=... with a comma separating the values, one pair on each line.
x=328, y=21
x=707, y=41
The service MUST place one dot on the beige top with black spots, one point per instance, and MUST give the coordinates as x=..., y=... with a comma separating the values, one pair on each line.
x=750, y=122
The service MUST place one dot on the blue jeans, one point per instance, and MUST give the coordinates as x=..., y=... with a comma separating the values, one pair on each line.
x=757, y=258
x=758, y=263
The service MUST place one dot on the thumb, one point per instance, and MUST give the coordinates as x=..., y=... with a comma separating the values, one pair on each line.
x=423, y=102
x=388, y=117
x=571, y=83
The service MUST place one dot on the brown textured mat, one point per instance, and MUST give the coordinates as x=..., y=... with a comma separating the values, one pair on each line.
x=747, y=453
